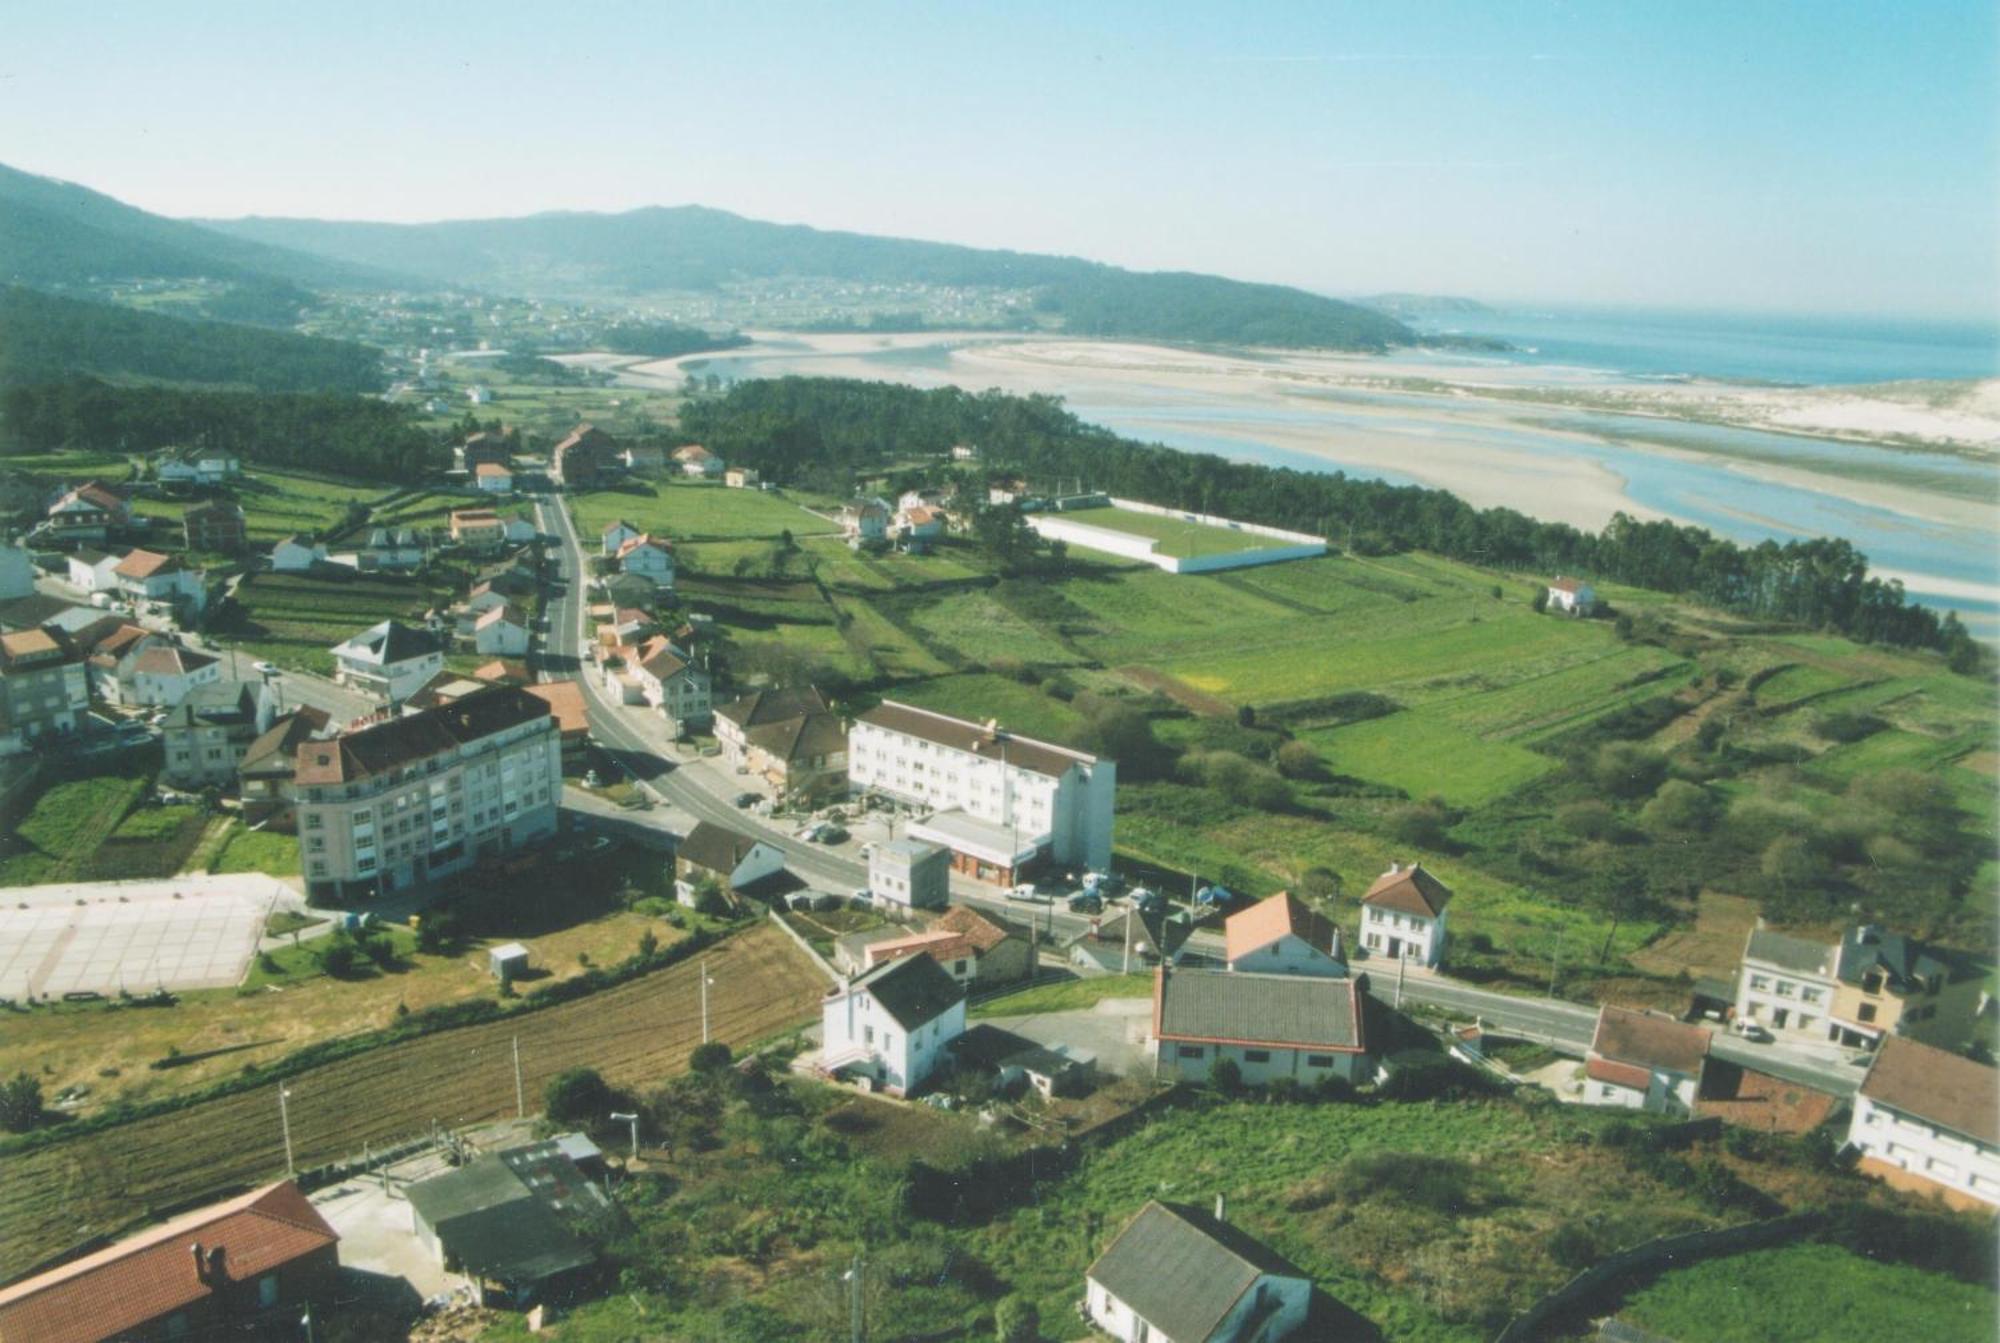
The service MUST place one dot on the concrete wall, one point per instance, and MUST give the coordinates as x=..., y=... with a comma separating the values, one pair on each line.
x=1170, y=1066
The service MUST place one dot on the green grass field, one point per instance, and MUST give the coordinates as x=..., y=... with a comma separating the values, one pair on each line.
x=1424, y=756
x=1070, y=995
x=1811, y=1294
x=978, y=696
x=258, y=851
x=71, y=821
x=1178, y=537
x=684, y=512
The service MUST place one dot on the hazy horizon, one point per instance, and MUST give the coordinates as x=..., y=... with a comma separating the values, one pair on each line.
x=1802, y=161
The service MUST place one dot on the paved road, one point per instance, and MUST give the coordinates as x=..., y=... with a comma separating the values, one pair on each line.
x=1572, y=1025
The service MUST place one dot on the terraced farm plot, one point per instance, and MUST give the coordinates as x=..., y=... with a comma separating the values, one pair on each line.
x=684, y=512
x=66, y=827
x=870, y=634
x=1799, y=683
x=980, y=630
x=979, y=696
x=1424, y=756
x=636, y=1034
x=295, y=619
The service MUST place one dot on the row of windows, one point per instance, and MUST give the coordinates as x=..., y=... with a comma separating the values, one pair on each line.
x=1254, y=1056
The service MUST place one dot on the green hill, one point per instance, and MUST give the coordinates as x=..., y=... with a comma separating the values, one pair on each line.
x=659, y=250
x=44, y=338
x=59, y=233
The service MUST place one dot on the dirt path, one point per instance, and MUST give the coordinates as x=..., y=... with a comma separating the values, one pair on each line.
x=636, y=1034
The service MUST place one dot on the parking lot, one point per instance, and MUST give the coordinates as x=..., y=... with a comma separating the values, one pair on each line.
x=188, y=932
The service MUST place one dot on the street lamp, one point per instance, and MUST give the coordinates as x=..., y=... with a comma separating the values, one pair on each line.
x=285, y=1121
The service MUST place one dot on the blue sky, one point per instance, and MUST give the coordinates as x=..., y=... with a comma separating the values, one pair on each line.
x=1791, y=157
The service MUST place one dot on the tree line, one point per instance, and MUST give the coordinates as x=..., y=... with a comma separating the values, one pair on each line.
x=347, y=435
x=792, y=427
x=43, y=337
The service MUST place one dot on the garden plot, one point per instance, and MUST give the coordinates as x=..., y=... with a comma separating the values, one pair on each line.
x=194, y=932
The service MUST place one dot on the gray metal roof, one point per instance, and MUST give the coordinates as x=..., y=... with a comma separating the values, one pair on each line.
x=1182, y=1271
x=517, y=1216
x=1800, y=955
x=1285, y=1010
x=912, y=989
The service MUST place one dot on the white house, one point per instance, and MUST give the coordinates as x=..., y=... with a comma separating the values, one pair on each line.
x=671, y=683
x=519, y=531
x=17, y=572
x=732, y=859
x=1572, y=596
x=865, y=520
x=1176, y=1274
x=999, y=802
x=87, y=512
x=493, y=478
x=1787, y=984
x=1639, y=1061
x=295, y=555
x=1305, y=1027
x=892, y=1024
x=501, y=632
x=697, y=461
x=909, y=874
x=1280, y=936
x=918, y=526
x=1928, y=1121
x=147, y=575
x=646, y=557
x=389, y=660
x=93, y=570
x=162, y=673
x=207, y=468
x=479, y=396
x=617, y=534
x=742, y=478
x=1403, y=915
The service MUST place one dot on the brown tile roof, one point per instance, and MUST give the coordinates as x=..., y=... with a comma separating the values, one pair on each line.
x=659, y=658
x=28, y=645
x=276, y=751
x=504, y=671
x=640, y=542
x=1268, y=920
x=989, y=741
x=1936, y=1086
x=165, y=659
x=1569, y=585
x=801, y=738
x=941, y=945
x=146, y=563
x=1409, y=890
x=491, y=469
x=118, y=1289
x=982, y=932
x=1619, y=1074
x=693, y=452
x=404, y=741
x=772, y=706
x=565, y=700
x=1645, y=1040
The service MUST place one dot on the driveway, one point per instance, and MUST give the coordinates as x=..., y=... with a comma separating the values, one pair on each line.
x=1115, y=1030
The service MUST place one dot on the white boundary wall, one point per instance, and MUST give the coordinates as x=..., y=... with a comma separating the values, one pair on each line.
x=1070, y=527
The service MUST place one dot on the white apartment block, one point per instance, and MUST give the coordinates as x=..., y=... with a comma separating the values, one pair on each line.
x=405, y=802
x=1928, y=1121
x=1787, y=985
x=999, y=802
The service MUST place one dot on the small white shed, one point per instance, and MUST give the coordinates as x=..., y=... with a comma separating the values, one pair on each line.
x=508, y=963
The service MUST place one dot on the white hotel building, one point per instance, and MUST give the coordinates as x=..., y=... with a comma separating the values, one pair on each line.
x=1001, y=804
x=422, y=797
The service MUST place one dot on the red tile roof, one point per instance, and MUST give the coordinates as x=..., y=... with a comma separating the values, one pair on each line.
x=1648, y=1041
x=146, y=563
x=565, y=700
x=1268, y=920
x=1937, y=1087
x=1619, y=1074
x=1409, y=890
x=982, y=932
x=120, y=1288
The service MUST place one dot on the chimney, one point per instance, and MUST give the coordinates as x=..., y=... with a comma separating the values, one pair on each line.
x=218, y=1273
x=1394, y=868
x=200, y=1264
x=1221, y=1208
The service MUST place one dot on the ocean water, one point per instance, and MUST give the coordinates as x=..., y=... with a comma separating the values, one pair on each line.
x=1799, y=351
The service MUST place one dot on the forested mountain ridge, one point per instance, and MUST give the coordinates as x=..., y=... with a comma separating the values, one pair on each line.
x=58, y=233
x=692, y=248
x=45, y=338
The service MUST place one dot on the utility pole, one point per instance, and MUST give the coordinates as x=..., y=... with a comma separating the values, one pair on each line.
x=1555, y=961
x=520, y=1094
x=285, y=1121
x=855, y=1334
x=1402, y=971
x=704, y=1000
x=1126, y=966
x=307, y=1321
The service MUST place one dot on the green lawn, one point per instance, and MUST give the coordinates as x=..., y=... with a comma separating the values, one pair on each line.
x=978, y=696
x=1178, y=537
x=1811, y=1294
x=258, y=851
x=981, y=630
x=1424, y=755
x=67, y=825
x=295, y=620
x=1068, y=995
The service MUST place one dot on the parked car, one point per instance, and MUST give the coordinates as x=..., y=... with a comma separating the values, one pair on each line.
x=1748, y=1030
x=1029, y=893
x=830, y=833
x=1087, y=903
x=1147, y=902
x=265, y=668
x=1103, y=883
x=748, y=799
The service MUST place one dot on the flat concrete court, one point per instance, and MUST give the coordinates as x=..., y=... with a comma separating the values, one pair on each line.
x=187, y=932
